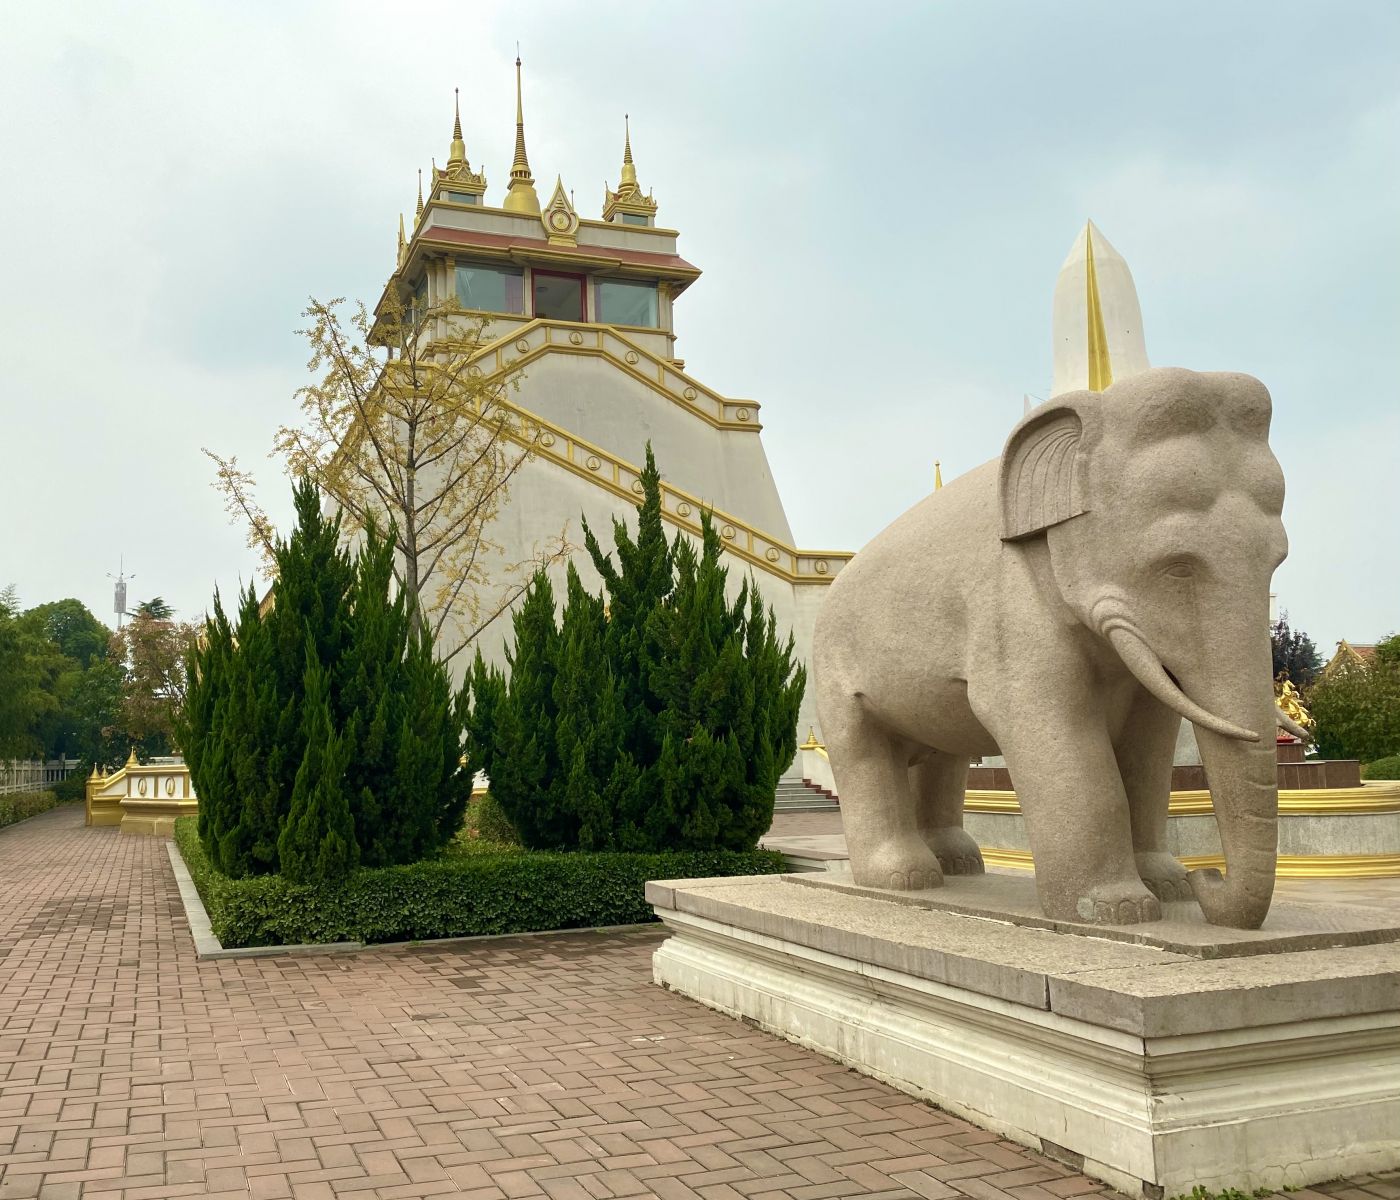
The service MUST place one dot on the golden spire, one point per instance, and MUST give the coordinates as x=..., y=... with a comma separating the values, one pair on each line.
x=1100, y=369
x=520, y=193
x=937, y=474
x=418, y=213
x=458, y=152
x=628, y=198
x=403, y=242
x=628, y=182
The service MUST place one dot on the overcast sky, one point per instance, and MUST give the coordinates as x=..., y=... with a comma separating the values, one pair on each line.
x=880, y=197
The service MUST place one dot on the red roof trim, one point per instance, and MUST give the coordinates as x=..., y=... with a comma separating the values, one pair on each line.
x=506, y=241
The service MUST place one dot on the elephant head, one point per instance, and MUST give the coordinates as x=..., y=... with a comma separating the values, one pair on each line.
x=1159, y=501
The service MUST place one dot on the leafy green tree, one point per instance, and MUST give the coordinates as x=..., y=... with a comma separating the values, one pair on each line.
x=72, y=628
x=1358, y=711
x=1295, y=656
x=660, y=717
x=30, y=666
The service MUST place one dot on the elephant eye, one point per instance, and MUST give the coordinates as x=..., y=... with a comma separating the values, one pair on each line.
x=1178, y=570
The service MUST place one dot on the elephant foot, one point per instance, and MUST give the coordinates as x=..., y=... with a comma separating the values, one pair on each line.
x=902, y=866
x=957, y=852
x=1164, y=877
x=1119, y=904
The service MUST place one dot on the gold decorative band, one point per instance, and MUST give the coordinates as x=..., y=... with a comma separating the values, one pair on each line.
x=1290, y=866
x=1379, y=796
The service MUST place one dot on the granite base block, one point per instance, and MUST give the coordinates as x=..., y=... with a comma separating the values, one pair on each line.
x=1161, y=1070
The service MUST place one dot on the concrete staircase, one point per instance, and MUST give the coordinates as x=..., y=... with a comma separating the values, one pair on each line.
x=796, y=795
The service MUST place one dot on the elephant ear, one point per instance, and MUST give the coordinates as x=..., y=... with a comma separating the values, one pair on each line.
x=1040, y=484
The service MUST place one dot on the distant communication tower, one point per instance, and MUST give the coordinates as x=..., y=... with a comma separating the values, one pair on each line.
x=119, y=590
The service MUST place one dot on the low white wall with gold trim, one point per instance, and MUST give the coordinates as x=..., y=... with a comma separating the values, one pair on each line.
x=142, y=798
x=1338, y=833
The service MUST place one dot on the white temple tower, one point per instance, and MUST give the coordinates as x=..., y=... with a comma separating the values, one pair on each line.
x=584, y=309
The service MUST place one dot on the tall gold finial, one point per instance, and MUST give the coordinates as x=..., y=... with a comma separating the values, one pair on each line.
x=1100, y=369
x=418, y=212
x=520, y=193
x=628, y=182
x=458, y=152
x=937, y=474
x=628, y=198
x=403, y=242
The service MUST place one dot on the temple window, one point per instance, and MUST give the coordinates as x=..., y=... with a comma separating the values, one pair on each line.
x=490, y=289
x=634, y=219
x=559, y=297
x=622, y=303
x=463, y=198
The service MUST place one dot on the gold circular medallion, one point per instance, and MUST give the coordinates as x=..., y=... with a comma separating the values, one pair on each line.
x=546, y=439
x=522, y=345
x=689, y=393
x=637, y=486
x=727, y=533
x=683, y=509
x=576, y=338
x=821, y=568
x=742, y=414
x=632, y=358
x=771, y=554
x=593, y=462
x=559, y=219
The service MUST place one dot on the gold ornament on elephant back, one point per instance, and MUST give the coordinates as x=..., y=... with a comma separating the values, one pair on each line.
x=1291, y=704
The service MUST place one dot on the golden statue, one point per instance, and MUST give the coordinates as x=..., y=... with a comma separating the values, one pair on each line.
x=1292, y=704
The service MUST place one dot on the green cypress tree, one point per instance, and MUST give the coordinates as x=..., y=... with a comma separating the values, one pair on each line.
x=526, y=779
x=317, y=841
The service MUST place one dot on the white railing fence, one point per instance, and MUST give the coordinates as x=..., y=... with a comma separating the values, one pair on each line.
x=34, y=776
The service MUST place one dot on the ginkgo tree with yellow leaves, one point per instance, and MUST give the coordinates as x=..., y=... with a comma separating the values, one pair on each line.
x=398, y=430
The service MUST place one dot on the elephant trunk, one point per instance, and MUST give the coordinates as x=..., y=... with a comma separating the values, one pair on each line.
x=1243, y=779
x=1241, y=765
x=1244, y=789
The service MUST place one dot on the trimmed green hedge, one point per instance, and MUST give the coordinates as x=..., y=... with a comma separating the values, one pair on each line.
x=478, y=890
x=1382, y=768
x=20, y=805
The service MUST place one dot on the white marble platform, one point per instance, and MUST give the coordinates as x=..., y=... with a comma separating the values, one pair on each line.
x=1150, y=1067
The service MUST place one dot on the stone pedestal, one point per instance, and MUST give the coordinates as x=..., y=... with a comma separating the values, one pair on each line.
x=1155, y=1057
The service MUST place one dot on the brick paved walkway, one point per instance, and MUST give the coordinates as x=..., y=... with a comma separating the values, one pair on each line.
x=513, y=1068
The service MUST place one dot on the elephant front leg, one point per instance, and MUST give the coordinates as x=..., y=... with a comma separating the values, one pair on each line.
x=1144, y=751
x=1076, y=814
x=877, y=807
x=939, y=784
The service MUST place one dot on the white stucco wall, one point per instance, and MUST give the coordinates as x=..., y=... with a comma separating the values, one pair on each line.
x=725, y=468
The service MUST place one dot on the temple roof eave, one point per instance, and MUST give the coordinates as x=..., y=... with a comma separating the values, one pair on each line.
x=437, y=239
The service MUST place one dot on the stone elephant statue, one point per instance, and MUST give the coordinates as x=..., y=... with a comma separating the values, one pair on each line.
x=1066, y=605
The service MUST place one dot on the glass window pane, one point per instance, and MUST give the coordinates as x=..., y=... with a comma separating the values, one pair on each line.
x=633, y=219
x=627, y=303
x=559, y=297
x=462, y=197
x=489, y=289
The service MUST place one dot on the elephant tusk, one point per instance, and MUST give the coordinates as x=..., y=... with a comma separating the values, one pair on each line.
x=1147, y=668
x=1288, y=724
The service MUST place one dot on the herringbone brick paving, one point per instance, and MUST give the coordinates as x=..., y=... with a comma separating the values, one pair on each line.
x=524, y=1067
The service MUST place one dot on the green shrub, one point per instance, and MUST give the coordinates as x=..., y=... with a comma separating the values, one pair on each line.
x=465, y=893
x=487, y=822
x=1382, y=768
x=20, y=805
x=656, y=715
x=320, y=730
x=72, y=788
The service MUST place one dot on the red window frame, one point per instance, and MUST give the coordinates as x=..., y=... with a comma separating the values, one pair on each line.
x=582, y=289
